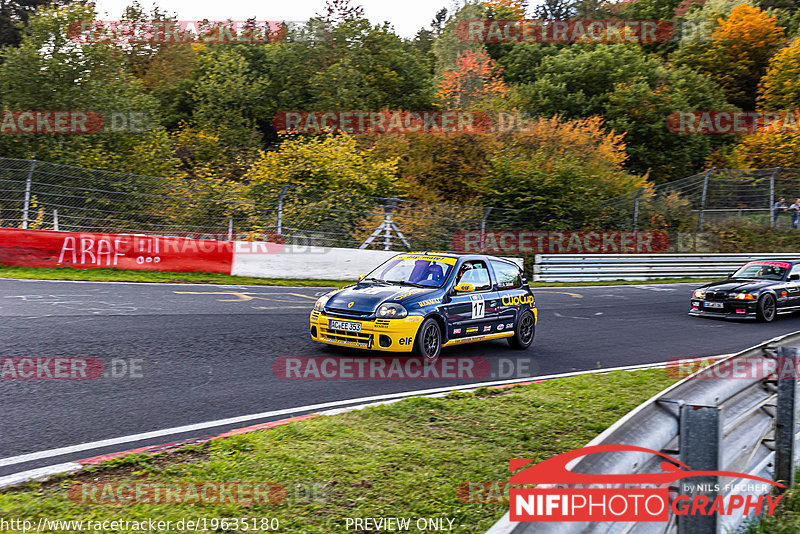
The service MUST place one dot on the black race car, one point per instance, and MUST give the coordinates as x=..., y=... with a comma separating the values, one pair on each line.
x=758, y=290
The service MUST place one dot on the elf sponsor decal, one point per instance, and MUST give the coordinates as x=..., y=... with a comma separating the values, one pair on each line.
x=598, y=504
x=583, y=242
x=517, y=300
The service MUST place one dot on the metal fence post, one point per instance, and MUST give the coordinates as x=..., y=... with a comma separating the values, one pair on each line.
x=703, y=199
x=700, y=445
x=483, y=229
x=772, y=196
x=280, y=209
x=230, y=229
x=26, y=206
x=636, y=207
x=55, y=220
x=785, y=420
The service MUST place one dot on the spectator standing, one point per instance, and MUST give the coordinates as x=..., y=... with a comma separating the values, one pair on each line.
x=777, y=209
x=794, y=209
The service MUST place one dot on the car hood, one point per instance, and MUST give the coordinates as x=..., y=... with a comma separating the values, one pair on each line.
x=739, y=285
x=367, y=297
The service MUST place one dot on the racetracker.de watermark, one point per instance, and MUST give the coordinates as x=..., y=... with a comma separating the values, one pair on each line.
x=401, y=368
x=733, y=122
x=187, y=493
x=73, y=122
x=743, y=368
x=581, y=242
x=69, y=368
x=181, y=31
x=565, y=31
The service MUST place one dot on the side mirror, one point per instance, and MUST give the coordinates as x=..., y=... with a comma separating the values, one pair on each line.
x=465, y=287
x=794, y=277
x=360, y=278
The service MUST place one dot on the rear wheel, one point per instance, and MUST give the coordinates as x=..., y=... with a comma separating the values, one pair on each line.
x=767, y=309
x=428, y=344
x=526, y=329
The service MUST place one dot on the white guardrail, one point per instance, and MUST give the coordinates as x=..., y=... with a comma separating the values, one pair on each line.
x=709, y=421
x=596, y=267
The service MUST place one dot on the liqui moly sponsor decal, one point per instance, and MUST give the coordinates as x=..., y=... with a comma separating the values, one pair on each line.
x=649, y=503
x=582, y=242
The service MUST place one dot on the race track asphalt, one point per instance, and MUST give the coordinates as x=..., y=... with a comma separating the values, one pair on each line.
x=204, y=353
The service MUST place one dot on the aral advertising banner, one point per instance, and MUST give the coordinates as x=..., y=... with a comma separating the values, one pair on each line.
x=582, y=242
x=42, y=248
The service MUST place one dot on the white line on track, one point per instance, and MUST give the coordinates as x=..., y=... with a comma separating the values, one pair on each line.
x=71, y=449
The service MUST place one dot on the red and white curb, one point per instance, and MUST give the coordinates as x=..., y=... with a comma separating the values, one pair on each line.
x=333, y=408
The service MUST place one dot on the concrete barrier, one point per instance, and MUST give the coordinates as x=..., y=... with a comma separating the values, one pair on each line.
x=269, y=260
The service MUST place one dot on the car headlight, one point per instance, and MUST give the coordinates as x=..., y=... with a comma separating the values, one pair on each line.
x=392, y=310
x=699, y=293
x=321, y=302
x=744, y=296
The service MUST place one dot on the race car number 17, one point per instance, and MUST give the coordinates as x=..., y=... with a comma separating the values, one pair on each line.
x=478, y=308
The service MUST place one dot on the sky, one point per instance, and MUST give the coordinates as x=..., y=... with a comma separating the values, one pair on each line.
x=407, y=16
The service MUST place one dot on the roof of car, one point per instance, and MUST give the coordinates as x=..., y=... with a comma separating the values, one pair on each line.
x=462, y=254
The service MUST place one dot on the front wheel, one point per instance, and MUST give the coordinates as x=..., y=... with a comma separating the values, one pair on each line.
x=526, y=328
x=428, y=344
x=766, y=309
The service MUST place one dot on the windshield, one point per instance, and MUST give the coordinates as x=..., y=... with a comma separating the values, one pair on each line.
x=425, y=271
x=766, y=270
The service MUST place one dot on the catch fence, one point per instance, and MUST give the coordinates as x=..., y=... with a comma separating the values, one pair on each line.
x=50, y=196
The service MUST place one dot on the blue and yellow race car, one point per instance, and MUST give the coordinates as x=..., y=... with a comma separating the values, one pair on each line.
x=421, y=302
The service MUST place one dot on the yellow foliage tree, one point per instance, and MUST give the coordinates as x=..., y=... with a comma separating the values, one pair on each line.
x=741, y=47
x=764, y=149
x=780, y=86
x=502, y=8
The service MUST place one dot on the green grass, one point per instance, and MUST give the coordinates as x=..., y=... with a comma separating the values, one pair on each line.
x=400, y=460
x=698, y=281
x=786, y=519
x=119, y=275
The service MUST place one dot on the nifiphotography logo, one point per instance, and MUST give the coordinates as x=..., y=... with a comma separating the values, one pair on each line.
x=622, y=503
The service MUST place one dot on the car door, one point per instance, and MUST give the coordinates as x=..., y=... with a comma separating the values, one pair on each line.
x=793, y=286
x=513, y=296
x=471, y=314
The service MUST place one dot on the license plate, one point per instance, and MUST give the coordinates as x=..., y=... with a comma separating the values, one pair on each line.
x=713, y=305
x=344, y=325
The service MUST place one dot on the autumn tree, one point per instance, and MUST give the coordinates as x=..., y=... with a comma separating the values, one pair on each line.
x=548, y=168
x=477, y=78
x=738, y=54
x=780, y=86
x=508, y=9
x=767, y=149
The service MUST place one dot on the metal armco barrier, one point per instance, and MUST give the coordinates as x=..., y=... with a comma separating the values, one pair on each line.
x=595, y=267
x=746, y=425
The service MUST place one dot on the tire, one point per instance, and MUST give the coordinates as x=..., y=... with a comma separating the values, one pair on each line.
x=524, y=332
x=766, y=309
x=428, y=344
